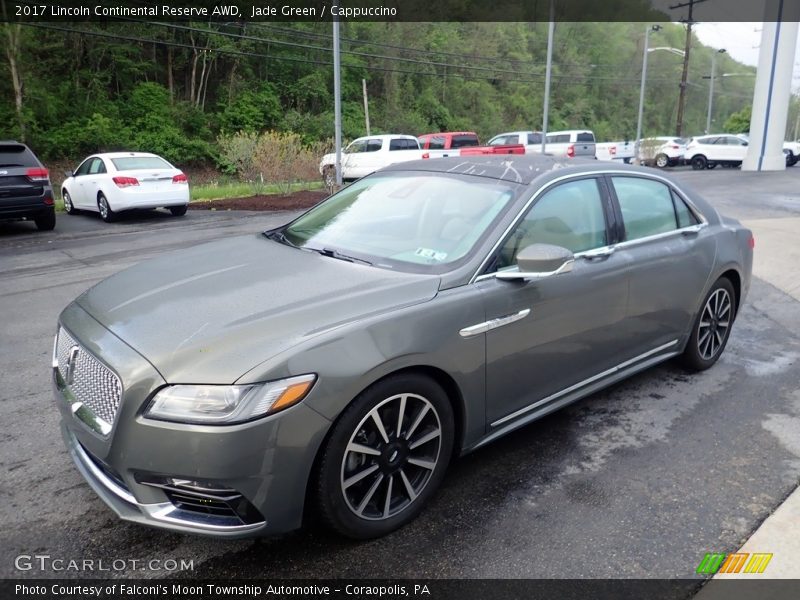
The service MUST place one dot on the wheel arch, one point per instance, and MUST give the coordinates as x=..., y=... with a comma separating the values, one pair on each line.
x=441, y=377
x=735, y=278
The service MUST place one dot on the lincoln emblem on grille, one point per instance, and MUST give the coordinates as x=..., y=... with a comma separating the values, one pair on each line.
x=72, y=359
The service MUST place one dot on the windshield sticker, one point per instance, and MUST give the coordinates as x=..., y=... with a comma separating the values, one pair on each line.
x=431, y=254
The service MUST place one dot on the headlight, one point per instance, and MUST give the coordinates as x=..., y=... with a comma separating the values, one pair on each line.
x=227, y=404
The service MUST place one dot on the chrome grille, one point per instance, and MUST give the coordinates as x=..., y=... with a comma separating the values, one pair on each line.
x=93, y=384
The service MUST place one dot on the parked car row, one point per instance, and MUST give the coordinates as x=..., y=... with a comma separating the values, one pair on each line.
x=107, y=184
x=367, y=154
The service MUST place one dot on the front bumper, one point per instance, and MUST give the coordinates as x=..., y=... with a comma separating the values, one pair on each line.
x=264, y=464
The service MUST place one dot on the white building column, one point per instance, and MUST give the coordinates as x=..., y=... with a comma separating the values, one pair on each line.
x=773, y=87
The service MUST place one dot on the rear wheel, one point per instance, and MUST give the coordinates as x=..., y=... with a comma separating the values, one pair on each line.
x=46, y=221
x=712, y=328
x=662, y=161
x=699, y=162
x=106, y=213
x=69, y=208
x=385, y=456
x=178, y=211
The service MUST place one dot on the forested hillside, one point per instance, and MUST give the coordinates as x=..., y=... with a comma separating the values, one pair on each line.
x=175, y=88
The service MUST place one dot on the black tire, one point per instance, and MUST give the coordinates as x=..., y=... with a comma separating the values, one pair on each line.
x=356, y=490
x=178, y=211
x=106, y=213
x=329, y=177
x=662, y=161
x=709, y=337
x=46, y=221
x=713, y=165
x=699, y=162
x=69, y=208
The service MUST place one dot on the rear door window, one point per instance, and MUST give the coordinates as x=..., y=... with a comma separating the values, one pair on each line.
x=464, y=141
x=558, y=139
x=647, y=207
x=402, y=144
x=97, y=167
x=374, y=145
x=534, y=138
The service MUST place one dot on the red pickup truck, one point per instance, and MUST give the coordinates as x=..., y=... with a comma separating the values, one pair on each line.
x=464, y=143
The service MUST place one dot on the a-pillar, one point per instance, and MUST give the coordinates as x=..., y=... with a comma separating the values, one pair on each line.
x=773, y=87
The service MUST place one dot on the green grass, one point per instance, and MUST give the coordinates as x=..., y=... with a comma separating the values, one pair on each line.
x=221, y=191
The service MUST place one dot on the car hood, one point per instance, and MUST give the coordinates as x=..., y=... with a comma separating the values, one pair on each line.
x=211, y=313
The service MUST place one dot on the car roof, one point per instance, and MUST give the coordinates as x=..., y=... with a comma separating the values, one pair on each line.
x=516, y=133
x=385, y=136
x=516, y=168
x=125, y=155
x=563, y=131
x=448, y=133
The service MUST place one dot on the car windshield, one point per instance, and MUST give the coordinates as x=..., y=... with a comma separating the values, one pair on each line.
x=132, y=163
x=407, y=221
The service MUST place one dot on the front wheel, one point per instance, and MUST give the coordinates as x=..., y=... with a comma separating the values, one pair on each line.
x=385, y=456
x=106, y=213
x=69, y=208
x=712, y=328
x=662, y=161
x=699, y=163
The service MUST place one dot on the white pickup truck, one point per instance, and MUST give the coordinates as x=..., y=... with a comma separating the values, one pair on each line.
x=370, y=153
x=619, y=151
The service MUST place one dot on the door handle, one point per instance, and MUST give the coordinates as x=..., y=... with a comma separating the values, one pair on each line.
x=599, y=253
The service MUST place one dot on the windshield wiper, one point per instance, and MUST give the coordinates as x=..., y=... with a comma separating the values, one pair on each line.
x=278, y=236
x=336, y=254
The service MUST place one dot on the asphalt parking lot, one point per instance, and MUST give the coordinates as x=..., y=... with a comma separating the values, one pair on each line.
x=638, y=481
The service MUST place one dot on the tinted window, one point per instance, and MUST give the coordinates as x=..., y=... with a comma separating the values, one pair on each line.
x=534, y=138
x=131, y=163
x=83, y=169
x=463, y=141
x=570, y=216
x=646, y=207
x=374, y=145
x=17, y=155
x=558, y=139
x=436, y=143
x=585, y=137
x=402, y=144
x=97, y=167
x=686, y=217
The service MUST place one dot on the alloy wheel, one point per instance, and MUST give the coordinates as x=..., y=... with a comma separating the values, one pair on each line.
x=715, y=323
x=391, y=456
x=102, y=204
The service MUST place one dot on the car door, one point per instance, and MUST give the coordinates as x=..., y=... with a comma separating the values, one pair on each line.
x=669, y=252
x=94, y=180
x=78, y=188
x=737, y=148
x=352, y=157
x=550, y=334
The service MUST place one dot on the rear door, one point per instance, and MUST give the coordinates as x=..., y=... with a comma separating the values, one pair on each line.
x=670, y=254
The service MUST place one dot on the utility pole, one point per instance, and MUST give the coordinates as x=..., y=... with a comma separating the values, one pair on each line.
x=684, y=76
x=337, y=100
x=366, y=104
x=548, y=73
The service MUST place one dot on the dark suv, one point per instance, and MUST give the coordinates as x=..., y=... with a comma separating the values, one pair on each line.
x=25, y=190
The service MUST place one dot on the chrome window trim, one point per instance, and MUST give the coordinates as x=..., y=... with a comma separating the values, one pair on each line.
x=597, y=173
x=583, y=383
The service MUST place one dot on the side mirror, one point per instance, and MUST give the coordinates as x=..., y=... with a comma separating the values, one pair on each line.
x=538, y=261
x=68, y=174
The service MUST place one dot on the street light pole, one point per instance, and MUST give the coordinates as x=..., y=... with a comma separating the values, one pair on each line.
x=711, y=87
x=548, y=71
x=337, y=100
x=637, y=144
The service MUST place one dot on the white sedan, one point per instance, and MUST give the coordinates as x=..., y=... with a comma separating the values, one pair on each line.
x=117, y=181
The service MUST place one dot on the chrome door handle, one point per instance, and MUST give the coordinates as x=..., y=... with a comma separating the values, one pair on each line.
x=599, y=253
